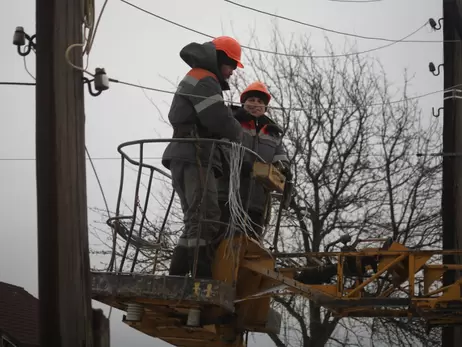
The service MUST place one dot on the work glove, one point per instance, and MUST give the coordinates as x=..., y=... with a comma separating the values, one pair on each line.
x=284, y=168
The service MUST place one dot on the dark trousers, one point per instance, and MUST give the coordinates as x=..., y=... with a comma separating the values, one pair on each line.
x=189, y=186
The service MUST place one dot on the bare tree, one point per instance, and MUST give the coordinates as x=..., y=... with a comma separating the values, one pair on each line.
x=356, y=171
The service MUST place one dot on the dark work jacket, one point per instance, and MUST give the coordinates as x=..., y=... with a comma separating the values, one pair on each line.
x=201, y=112
x=264, y=137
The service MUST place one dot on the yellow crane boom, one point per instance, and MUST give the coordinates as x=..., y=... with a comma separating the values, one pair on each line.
x=389, y=281
x=238, y=297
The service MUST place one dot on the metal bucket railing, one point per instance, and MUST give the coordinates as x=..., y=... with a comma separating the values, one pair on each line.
x=118, y=222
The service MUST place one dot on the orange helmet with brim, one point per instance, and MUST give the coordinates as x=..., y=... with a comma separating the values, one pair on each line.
x=256, y=87
x=230, y=46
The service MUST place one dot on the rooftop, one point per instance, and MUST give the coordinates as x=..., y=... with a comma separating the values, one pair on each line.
x=19, y=315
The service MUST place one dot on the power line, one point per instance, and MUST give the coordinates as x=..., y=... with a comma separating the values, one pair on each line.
x=356, y=1
x=168, y=20
x=385, y=46
x=269, y=51
x=290, y=108
x=101, y=158
x=418, y=154
x=270, y=107
x=331, y=30
x=99, y=182
x=17, y=83
x=27, y=69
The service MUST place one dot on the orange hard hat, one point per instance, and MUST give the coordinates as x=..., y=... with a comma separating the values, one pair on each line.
x=256, y=87
x=230, y=46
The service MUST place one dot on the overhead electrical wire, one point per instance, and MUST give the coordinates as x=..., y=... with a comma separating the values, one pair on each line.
x=17, y=83
x=269, y=51
x=90, y=8
x=418, y=154
x=270, y=107
x=88, y=12
x=380, y=47
x=356, y=1
x=99, y=182
x=332, y=30
x=291, y=108
x=92, y=159
x=27, y=69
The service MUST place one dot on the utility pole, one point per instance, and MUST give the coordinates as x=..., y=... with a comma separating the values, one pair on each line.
x=66, y=316
x=452, y=166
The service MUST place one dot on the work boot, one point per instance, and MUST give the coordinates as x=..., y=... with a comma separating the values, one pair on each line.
x=179, y=263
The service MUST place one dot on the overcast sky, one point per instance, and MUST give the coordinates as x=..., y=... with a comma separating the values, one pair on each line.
x=138, y=48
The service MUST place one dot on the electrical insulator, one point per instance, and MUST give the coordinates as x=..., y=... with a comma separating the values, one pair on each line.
x=432, y=23
x=19, y=38
x=431, y=67
x=101, y=80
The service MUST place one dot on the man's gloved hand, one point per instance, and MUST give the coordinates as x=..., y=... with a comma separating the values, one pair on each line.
x=284, y=168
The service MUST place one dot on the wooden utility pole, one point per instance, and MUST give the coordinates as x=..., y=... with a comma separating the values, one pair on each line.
x=452, y=142
x=66, y=316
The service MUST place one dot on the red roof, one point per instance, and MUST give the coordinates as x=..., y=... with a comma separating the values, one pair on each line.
x=19, y=312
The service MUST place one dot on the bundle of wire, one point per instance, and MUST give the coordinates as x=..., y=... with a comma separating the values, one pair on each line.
x=238, y=217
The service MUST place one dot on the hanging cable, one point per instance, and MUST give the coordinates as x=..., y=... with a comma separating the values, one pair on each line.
x=89, y=34
x=101, y=158
x=99, y=182
x=239, y=220
x=356, y=1
x=331, y=30
x=88, y=18
x=91, y=39
x=420, y=96
x=68, y=59
x=17, y=83
x=269, y=51
x=288, y=108
x=27, y=70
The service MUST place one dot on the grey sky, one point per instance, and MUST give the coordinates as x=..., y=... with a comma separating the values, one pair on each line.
x=135, y=47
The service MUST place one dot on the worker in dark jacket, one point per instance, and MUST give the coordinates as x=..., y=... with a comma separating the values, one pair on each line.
x=264, y=137
x=198, y=111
